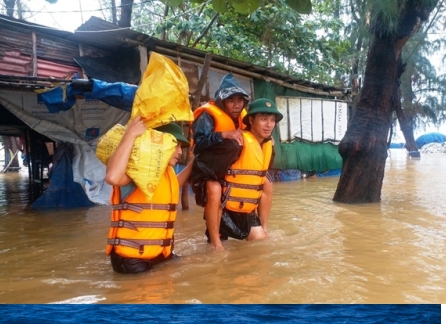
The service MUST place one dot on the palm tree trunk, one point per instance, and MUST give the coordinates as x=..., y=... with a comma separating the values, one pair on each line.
x=364, y=146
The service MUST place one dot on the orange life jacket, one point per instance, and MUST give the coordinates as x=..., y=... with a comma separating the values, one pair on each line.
x=144, y=230
x=223, y=122
x=243, y=184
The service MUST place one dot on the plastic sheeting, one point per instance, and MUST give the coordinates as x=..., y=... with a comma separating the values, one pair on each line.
x=430, y=138
x=123, y=65
x=397, y=145
x=62, y=98
x=306, y=157
x=63, y=192
x=311, y=119
x=80, y=126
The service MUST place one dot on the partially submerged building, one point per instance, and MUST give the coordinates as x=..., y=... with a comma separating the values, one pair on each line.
x=71, y=88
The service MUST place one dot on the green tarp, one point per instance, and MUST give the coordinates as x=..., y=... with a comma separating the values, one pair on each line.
x=297, y=155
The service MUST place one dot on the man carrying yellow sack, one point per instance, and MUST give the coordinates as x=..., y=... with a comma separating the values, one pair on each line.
x=142, y=232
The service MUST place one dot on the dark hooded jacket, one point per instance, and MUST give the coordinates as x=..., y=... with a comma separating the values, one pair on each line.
x=203, y=127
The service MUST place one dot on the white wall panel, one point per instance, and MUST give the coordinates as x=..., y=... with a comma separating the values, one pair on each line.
x=311, y=119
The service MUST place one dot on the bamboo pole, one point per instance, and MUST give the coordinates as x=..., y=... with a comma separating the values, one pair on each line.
x=10, y=162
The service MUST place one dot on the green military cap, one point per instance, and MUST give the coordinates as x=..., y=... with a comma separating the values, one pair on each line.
x=175, y=130
x=264, y=106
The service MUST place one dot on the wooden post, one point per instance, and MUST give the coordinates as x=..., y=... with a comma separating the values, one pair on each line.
x=81, y=54
x=34, y=58
x=143, y=60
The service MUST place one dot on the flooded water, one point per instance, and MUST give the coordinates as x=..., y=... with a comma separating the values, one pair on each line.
x=318, y=251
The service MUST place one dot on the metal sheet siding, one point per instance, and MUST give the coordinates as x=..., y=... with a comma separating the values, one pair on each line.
x=54, y=55
x=18, y=64
x=55, y=70
x=14, y=63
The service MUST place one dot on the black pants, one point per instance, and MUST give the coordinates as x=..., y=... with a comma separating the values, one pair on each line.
x=122, y=264
x=236, y=225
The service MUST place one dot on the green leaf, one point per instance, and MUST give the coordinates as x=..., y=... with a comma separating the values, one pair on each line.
x=300, y=6
x=219, y=6
x=173, y=3
x=51, y=1
x=244, y=6
x=198, y=1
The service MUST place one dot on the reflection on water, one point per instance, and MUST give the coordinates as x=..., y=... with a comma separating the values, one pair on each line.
x=319, y=251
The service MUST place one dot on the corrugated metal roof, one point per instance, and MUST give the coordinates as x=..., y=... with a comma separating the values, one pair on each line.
x=112, y=36
x=103, y=34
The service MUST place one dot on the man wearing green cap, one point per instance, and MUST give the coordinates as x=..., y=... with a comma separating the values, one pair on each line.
x=239, y=216
x=141, y=232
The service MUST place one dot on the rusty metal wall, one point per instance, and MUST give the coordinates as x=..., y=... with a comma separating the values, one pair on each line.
x=54, y=55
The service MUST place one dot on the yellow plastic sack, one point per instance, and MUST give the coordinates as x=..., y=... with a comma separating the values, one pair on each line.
x=148, y=161
x=163, y=95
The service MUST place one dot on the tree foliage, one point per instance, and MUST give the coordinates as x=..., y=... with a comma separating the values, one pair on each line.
x=423, y=89
x=247, y=6
x=273, y=36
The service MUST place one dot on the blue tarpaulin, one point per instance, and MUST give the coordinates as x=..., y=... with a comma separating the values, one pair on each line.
x=430, y=138
x=119, y=95
x=397, y=145
x=62, y=192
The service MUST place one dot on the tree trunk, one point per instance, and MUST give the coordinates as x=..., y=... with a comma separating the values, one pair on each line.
x=405, y=124
x=113, y=9
x=19, y=9
x=364, y=146
x=126, y=13
x=10, y=4
x=406, y=129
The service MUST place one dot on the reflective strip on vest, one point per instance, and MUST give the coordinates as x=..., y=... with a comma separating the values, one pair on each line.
x=243, y=186
x=135, y=224
x=138, y=243
x=139, y=207
x=234, y=172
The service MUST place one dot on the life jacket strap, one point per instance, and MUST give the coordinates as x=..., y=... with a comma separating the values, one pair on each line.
x=235, y=172
x=137, y=244
x=135, y=224
x=245, y=200
x=227, y=197
x=140, y=207
x=243, y=186
x=269, y=177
